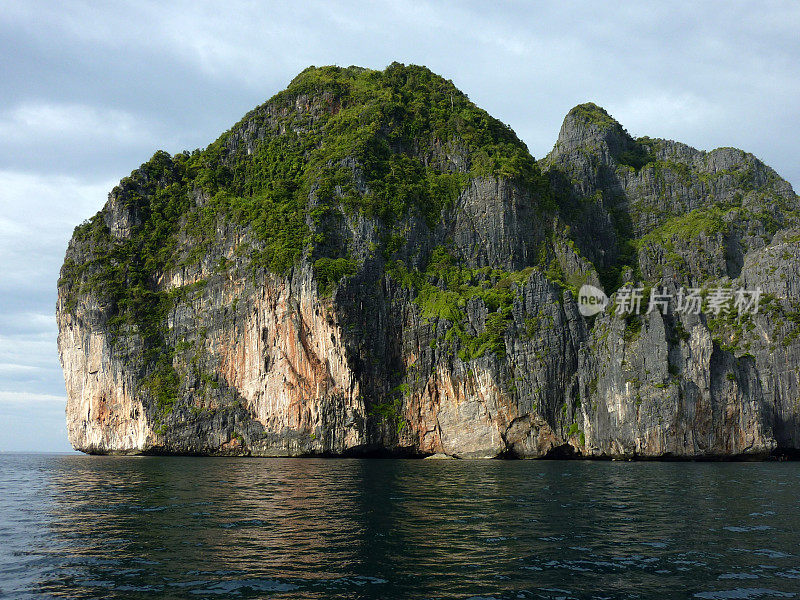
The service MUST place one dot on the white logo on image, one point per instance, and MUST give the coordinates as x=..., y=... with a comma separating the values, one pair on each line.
x=591, y=300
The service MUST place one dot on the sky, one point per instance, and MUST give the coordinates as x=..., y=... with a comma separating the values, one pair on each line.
x=89, y=91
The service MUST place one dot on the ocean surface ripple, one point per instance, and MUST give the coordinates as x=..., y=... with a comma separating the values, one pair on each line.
x=156, y=527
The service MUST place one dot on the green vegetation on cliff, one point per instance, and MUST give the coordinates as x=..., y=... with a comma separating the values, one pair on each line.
x=337, y=141
x=444, y=289
x=368, y=261
x=590, y=113
x=381, y=142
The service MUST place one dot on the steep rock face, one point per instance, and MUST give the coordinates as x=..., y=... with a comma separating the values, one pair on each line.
x=370, y=264
x=680, y=384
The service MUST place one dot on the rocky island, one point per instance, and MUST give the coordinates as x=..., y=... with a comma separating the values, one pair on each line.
x=369, y=264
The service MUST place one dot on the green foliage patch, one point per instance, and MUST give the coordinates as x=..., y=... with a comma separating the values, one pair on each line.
x=443, y=290
x=701, y=221
x=329, y=271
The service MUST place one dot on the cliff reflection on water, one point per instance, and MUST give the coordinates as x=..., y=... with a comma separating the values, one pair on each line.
x=290, y=528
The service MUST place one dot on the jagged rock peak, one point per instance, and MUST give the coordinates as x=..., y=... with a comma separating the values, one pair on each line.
x=590, y=125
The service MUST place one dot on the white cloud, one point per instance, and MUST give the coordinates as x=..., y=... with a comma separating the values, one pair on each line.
x=31, y=325
x=673, y=113
x=41, y=122
x=39, y=214
x=28, y=398
x=34, y=351
x=6, y=368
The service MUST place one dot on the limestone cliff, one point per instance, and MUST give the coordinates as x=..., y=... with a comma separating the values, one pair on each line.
x=370, y=264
